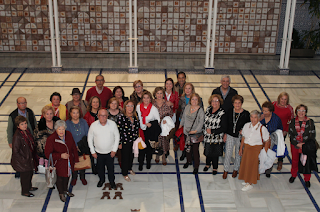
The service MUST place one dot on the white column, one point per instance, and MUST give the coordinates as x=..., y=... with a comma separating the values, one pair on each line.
x=285, y=34
x=130, y=32
x=215, y=11
x=135, y=34
x=293, y=10
x=56, y=18
x=53, y=48
x=208, y=33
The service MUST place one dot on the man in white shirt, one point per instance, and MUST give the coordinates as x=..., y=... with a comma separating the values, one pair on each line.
x=103, y=140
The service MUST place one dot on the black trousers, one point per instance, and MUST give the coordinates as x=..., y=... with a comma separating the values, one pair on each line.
x=25, y=180
x=62, y=184
x=127, y=158
x=102, y=161
x=147, y=152
x=196, y=156
x=213, y=160
x=81, y=172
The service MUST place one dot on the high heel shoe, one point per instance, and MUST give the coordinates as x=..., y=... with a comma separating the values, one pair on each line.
x=183, y=156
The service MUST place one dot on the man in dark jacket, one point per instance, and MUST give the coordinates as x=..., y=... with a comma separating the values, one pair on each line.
x=22, y=110
x=226, y=92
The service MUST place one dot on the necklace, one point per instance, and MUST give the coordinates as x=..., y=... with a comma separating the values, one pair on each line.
x=235, y=120
x=77, y=128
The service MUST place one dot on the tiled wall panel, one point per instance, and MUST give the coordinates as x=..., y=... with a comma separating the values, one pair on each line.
x=243, y=26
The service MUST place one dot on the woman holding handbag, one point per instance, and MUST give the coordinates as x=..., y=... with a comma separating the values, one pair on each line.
x=78, y=128
x=192, y=122
x=128, y=126
x=215, y=125
x=64, y=154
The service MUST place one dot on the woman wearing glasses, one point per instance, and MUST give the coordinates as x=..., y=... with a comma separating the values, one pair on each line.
x=137, y=93
x=301, y=129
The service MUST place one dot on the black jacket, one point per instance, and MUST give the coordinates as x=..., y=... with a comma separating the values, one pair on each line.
x=227, y=103
x=152, y=133
x=30, y=117
x=309, y=148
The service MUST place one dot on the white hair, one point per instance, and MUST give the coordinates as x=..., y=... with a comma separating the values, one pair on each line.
x=60, y=123
x=255, y=112
x=226, y=76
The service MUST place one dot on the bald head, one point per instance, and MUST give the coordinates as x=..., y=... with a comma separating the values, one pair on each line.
x=103, y=116
x=22, y=103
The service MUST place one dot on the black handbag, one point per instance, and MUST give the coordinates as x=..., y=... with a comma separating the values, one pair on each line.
x=213, y=149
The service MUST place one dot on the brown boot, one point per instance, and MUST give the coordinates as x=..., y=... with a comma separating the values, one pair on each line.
x=279, y=165
x=234, y=174
x=225, y=175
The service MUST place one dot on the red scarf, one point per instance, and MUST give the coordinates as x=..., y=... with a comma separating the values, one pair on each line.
x=145, y=112
x=30, y=142
x=300, y=130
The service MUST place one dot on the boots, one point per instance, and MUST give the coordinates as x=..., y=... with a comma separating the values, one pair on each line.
x=183, y=156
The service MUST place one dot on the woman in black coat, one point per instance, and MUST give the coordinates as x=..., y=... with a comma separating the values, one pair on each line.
x=118, y=92
x=24, y=155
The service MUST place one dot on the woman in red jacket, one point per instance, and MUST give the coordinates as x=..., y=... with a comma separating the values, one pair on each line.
x=93, y=108
x=64, y=153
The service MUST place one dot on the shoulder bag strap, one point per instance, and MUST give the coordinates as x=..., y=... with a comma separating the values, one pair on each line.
x=194, y=119
x=261, y=134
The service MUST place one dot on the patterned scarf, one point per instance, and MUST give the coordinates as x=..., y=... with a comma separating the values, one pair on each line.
x=300, y=130
x=145, y=112
x=30, y=142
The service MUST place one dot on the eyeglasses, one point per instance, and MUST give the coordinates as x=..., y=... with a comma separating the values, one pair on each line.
x=129, y=105
x=301, y=110
x=99, y=80
x=22, y=103
x=137, y=86
x=215, y=100
x=103, y=115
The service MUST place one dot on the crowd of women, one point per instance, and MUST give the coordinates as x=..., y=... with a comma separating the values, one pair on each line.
x=223, y=127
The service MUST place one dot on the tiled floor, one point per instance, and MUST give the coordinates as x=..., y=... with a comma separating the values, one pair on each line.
x=158, y=189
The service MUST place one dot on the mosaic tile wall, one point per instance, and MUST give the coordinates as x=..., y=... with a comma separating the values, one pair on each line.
x=244, y=26
x=301, y=21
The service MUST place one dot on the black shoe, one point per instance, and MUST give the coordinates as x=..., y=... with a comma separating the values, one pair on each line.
x=186, y=165
x=113, y=185
x=206, y=168
x=62, y=197
x=183, y=156
x=140, y=167
x=148, y=165
x=28, y=195
x=33, y=189
x=291, y=180
x=214, y=172
x=308, y=184
x=195, y=171
x=100, y=184
x=268, y=175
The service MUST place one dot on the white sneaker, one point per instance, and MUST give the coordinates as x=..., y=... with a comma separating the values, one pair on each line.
x=247, y=187
x=244, y=183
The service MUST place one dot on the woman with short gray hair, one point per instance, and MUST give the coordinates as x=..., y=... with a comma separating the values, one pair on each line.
x=64, y=154
x=255, y=136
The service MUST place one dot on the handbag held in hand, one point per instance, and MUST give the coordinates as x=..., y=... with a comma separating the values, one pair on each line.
x=51, y=173
x=84, y=163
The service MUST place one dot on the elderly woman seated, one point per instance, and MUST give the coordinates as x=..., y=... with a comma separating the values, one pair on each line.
x=64, y=153
x=255, y=136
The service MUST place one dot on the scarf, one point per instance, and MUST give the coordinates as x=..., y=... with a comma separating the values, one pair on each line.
x=300, y=130
x=30, y=142
x=145, y=112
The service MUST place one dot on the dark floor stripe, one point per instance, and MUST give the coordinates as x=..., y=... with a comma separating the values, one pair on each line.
x=46, y=202
x=165, y=73
x=177, y=72
x=199, y=193
x=255, y=98
x=85, y=83
x=66, y=204
x=307, y=189
x=315, y=74
x=4, y=81
x=179, y=182
x=100, y=71
x=260, y=85
x=6, y=96
x=317, y=175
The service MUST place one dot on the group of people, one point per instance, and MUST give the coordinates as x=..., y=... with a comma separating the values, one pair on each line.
x=113, y=125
